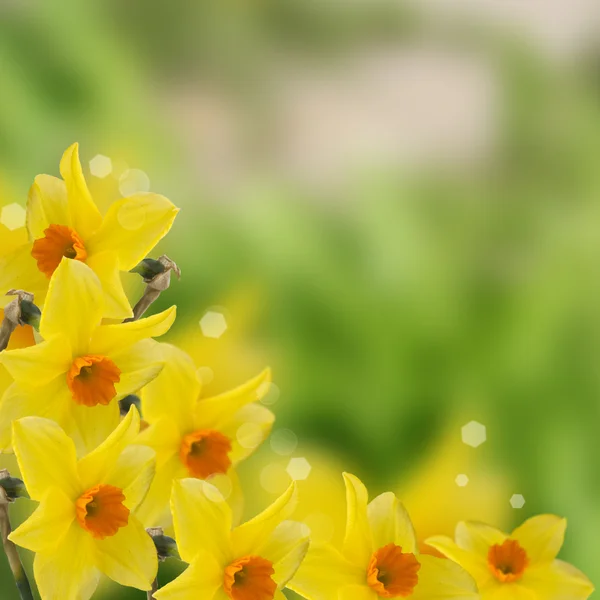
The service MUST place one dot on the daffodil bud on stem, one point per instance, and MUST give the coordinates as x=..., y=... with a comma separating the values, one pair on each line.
x=157, y=276
x=14, y=561
x=165, y=548
x=21, y=311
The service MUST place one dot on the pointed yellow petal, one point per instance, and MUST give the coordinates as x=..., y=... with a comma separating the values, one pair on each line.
x=47, y=204
x=106, y=267
x=201, y=579
x=357, y=592
x=474, y=563
x=38, y=365
x=19, y=270
x=542, y=537
x=49, y=523
x=94, y=467
x=257, y=420
x=202, y=520
x=133, y=473
x=68, y=572
x=557, y=581
x=478, y=537
x=175, y=391
x=358, y=544
x=73, y=306
x=129, y=556
x=213, y=413
x=85, y=217
x=442, y=579
x=390, y=523
x=286, y=549
x=133, y=226
x=254, y=533
x=110, y=339
x=164, y=438
x=46, y=457
x=324, y=572
x=89, y=426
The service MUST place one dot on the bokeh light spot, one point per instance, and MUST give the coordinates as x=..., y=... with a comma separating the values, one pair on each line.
x=223, y=483
x=249, y=435
x=100, y=166
x=205, y=375
x=299, y=469
x=474, y=434
x=517, y=501
x=213, y=324
x=13, y=216
x=213, y=493
x=134, y=181
x=462, y=480
x=284, y=442
x=132, y=215
x=268, y=393
x=274, y=478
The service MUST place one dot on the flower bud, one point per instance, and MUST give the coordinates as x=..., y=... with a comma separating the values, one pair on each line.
x=13, y=487
x=165, y=545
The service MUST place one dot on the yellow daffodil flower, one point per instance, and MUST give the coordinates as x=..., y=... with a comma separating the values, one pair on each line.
x=82, y=368
x=85, y=522
x=519, y=566
x=379, y=558
x=64, y=221
x=195, y=436
x=253, y=561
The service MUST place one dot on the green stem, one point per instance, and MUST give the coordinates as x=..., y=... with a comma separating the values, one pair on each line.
x=154, y=589
x=16, y=566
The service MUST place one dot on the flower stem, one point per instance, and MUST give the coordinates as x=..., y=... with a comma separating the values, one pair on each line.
x=16, y=566
x=154, y=589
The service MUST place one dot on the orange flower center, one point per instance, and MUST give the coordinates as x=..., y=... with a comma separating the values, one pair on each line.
x=249, y=578
x=58, y=241
x=205, y=453
x=507, y=561
x=101, y=511
x=393, y=573
x=92, y=379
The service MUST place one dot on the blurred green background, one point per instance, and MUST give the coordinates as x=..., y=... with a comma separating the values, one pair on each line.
x=396, y=205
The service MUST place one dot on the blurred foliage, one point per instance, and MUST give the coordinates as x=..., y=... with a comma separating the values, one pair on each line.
x=388, y=313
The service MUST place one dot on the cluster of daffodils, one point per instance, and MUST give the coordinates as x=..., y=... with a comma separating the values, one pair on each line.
x=117, y=443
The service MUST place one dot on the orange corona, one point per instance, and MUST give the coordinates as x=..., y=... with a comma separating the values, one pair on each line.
x=393, y=573
x=205, y=453
x=92, y=379
x=507, y=561
x=101, y=512
x=250, y=578
x=58, y=241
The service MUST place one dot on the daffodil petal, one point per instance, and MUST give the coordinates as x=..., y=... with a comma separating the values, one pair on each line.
x=46, y=457
x=324, y=572
x=357, y=592
x=89, y=426
x=38, y=365
x=203, y=578
x=249, y=536
x=155, y=510
x=441, y=579
x=201, y=522
x=47, y=204
x=110, y=339
x=478, y=537
x=390, y=523
x=133, y=473
x=133, y=226
x=68, y=572
x=557, y=581
x=286, y=548
x=73, y=307
x=358, y=543
x=85, y=216
x=259, y=421
x=95, y=466
x=542, y=537
x=18, y=270
x=106, y=267
x=48, y=524
x=213, y=413
x=511, y=591
x=175, y=391
x=129, y=556
x=164, y=438
x=474, y=563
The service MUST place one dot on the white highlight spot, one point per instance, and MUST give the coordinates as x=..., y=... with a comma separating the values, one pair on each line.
x=299, y=469
x=100, y=166
x=474, y=434
x=13, y=216
x=213, y=324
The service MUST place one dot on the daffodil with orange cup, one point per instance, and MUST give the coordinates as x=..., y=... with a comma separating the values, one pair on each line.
x=253, y=561
x=519, y=566
x=85, y=523
x=64, y=221
x=379, y=558
x=82, y=368
x=195, y=436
